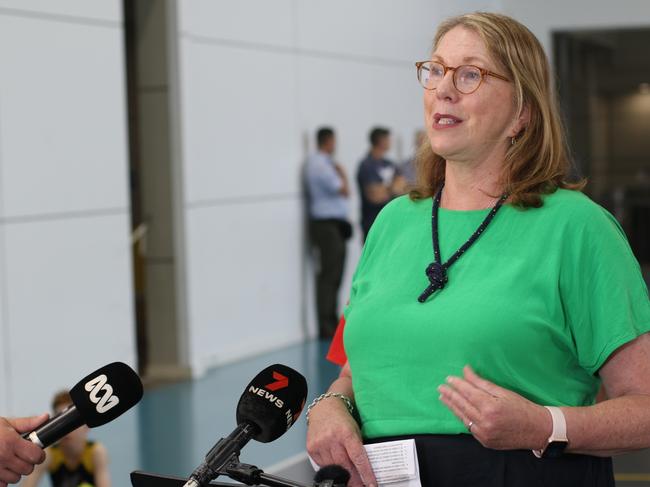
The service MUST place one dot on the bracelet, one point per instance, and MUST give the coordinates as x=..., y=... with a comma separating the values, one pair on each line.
x=346, y=400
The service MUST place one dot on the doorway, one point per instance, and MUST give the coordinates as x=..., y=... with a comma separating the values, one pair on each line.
x=604, y=88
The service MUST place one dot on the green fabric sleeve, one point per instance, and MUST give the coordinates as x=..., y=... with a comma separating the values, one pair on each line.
x=604, y=297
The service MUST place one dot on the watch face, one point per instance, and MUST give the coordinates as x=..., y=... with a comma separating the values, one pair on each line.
x=555, y=449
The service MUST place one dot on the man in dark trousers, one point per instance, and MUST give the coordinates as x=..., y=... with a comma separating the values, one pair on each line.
x=328, y=192
x=378, y=178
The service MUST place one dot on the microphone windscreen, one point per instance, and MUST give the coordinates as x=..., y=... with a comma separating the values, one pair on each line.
x=337, y=474
x=273, y=401
x=105, y=394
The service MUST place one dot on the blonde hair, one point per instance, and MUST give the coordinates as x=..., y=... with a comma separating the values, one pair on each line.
x=538, y=162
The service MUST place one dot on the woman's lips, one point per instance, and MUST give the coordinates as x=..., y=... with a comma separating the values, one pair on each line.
x=445, y=120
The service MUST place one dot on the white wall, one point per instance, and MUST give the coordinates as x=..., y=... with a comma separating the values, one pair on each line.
x=256, y=80
x=65, y=268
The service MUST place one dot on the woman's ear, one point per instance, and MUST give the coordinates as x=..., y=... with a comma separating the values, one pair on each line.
x=522, y=120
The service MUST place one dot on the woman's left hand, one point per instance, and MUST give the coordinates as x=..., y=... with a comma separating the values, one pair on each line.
x=498, y=418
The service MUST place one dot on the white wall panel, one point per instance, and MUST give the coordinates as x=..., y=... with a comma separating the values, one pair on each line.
x=4, y=386
x=239, y=131
x=249, y=21
x=403, y=30
x=5, y=345
x=69, y=303
x=382, y=29
x=367, y=28
x=337, y=26
x=108, y=10
x=62, y=117
x=244, y=273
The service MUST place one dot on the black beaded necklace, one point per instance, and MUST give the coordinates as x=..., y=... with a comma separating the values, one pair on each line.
x=437, y=271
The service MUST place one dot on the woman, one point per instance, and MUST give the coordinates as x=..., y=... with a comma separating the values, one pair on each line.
x=490, y=304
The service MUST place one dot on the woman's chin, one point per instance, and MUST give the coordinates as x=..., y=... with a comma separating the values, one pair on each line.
x=444, y=151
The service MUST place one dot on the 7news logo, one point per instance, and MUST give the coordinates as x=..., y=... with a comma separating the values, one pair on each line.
x=279, y=382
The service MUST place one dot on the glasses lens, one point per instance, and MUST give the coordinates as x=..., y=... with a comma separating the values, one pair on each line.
x=467, y=78
x=430, y=74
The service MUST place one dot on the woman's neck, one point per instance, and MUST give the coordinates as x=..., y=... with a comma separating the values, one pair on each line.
x=470, y=187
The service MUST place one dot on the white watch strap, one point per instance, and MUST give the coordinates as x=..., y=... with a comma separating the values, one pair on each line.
x=559, y=429
x=559, y=424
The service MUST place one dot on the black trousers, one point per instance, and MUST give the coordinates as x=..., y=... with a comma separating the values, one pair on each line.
x=461, y=461
x=328, y=237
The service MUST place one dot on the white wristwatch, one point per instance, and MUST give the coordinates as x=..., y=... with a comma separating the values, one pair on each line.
x=558, y=440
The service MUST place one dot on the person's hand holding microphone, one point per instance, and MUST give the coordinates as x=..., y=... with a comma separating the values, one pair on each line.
x=17, y=455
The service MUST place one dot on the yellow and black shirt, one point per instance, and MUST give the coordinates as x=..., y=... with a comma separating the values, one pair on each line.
x=64, y=474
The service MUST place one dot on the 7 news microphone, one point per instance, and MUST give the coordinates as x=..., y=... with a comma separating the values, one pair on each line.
x=98, y=398
x=269, y=406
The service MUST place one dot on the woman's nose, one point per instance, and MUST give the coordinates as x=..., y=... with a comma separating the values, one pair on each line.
x=446, y=89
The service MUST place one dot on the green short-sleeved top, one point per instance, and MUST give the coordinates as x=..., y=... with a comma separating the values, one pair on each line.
x=536, y=305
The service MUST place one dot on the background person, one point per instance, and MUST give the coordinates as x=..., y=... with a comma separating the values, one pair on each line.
x=328, y=192
x=407, y=168
x=378, y=178
x=530, y=300
x=74, y=461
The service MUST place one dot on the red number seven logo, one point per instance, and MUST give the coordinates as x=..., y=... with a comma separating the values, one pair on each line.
x=280, y=382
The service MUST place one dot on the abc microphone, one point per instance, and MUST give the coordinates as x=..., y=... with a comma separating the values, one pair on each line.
x=98, y=398
x=270, y=404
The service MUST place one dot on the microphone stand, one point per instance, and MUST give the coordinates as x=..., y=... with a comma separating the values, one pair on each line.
x=240, y=472
x=252, y=475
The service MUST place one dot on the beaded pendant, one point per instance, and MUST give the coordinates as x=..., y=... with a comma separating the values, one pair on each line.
x=436, y=272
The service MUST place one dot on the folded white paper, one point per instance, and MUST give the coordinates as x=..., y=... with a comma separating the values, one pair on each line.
x=394, y=463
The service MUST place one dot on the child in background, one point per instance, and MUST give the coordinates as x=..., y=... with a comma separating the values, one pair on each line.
x=74, y=461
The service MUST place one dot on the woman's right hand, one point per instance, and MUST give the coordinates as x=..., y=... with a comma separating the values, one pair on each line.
x=334, y=438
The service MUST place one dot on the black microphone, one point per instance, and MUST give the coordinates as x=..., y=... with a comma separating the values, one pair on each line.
x=332, y=475
x=270, y=404
x=98, y=398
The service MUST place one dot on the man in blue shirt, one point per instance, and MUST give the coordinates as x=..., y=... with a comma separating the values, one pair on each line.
x=378, y=178
x=328, y=192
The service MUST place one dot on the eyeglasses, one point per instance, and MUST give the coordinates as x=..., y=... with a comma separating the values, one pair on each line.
x=467, y=78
